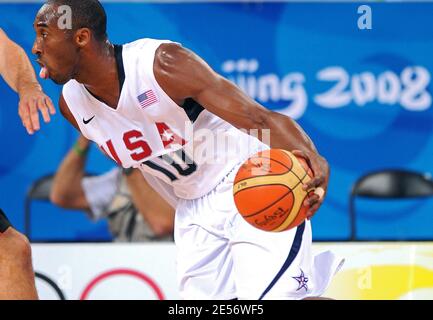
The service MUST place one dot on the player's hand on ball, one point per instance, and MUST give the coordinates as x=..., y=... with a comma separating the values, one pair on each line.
x=319, y=183
x=33, y=100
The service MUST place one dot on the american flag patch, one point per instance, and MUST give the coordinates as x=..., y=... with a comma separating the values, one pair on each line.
x=148, y=98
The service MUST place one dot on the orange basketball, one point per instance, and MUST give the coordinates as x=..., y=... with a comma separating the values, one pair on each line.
x=268, y=190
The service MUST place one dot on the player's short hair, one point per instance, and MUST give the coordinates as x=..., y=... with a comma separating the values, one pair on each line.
x=87, y=14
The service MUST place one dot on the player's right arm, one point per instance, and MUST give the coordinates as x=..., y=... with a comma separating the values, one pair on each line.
x=182, y=74
x=16, y=69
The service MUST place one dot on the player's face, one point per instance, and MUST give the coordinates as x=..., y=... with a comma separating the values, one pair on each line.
x=57, y=54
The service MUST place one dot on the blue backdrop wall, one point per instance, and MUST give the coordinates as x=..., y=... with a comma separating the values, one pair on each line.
x=364, y=96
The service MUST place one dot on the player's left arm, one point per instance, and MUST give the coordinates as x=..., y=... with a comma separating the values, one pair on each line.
x=16, y=69
x=183, y=74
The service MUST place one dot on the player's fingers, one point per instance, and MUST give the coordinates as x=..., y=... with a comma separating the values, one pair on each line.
x=23, y=112
x=34, y=116
x=298, y=153
x=314, y=183
x=311, y=200
x=314, y=201
x=310, y=213
x=50, y=105
x=44, y=109
x=318, y=178
x=320, y=192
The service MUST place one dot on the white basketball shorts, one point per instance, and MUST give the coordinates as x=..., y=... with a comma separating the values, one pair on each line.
x=221, y=256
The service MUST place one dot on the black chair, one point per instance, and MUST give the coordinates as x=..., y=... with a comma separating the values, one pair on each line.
x=39, y=190
x=388, y=184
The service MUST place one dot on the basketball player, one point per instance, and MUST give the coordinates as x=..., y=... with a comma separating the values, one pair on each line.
x=18, y=72
x=138, y=102
x=16, y=270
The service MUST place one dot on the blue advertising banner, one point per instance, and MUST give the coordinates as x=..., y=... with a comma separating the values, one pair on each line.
x=364, y=95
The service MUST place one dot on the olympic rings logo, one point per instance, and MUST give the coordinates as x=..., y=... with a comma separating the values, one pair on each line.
x=103, y=277
x=123, y=272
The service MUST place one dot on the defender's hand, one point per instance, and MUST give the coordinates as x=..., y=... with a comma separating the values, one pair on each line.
x=32, y=100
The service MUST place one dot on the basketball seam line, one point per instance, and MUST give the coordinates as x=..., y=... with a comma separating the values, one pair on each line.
x=306, y=171
x=276, y=174
x=294, y=218
x=270, y=184
x=306, y=174
x=268, y=175
x=265, y=175
x=253, y=214
x=264, y=185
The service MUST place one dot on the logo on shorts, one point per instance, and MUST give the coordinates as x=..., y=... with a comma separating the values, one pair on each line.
x=302, y=281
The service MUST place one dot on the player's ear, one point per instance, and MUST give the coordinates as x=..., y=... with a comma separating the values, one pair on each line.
x=82, y=37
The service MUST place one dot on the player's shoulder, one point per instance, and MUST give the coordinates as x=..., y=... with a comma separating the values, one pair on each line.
x=143, y=43
x=72, y=93
x=70, y=86
x=146, y=45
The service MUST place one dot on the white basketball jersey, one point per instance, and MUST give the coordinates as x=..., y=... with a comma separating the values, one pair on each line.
x=186, y=146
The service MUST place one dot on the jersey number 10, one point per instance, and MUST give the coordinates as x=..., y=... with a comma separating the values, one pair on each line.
x=141, y=150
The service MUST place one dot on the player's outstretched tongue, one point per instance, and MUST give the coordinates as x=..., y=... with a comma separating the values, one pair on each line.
x=44, y=73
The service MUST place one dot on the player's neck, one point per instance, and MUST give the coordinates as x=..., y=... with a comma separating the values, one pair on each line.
x=98, y=72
